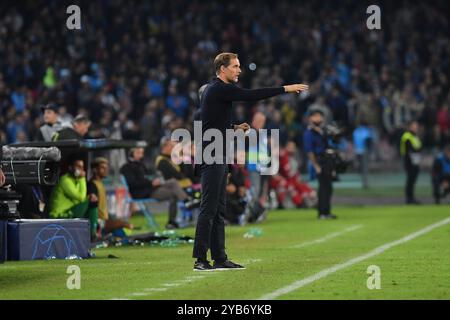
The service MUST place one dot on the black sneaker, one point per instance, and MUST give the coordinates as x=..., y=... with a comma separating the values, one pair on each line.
x=202, y=266
x=172, y=225
x=327, y=216
x=227, y=265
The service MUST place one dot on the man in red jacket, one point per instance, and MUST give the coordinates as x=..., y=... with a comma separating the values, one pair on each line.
x=288, y=181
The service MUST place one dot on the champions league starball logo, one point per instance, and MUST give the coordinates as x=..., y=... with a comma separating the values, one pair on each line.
x=54, y=241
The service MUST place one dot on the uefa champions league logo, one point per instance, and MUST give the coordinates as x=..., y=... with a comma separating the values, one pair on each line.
x=52, y=241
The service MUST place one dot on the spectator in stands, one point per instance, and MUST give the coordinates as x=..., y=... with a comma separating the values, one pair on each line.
x=17, y=127
x=65, y=117
x=141, y=186
x=79, y=129
x=320, y=104
x=113, y=66
x=70, y=199
x=177, y=103
x=443, y=120
x=100, y=171
x=51, y=123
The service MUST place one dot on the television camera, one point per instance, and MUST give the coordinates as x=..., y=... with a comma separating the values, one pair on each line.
x=26, y=166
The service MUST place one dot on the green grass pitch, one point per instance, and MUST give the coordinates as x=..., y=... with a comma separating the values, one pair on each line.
x=293, y=246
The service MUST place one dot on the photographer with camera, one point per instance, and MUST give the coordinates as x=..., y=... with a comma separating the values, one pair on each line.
x=315, y=141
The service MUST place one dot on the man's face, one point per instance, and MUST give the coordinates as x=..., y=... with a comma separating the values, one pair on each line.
x=138, y=154
x=78, y=165
x=414, y=127
x=233, y=70
x=316, y=119
x=81, y=127
x=290, y=147
x=50, y=116
x=169, y=147
x=103, y=170
x=259, y=120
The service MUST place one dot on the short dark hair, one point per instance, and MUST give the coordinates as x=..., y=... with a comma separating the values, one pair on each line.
x=223, y=59
x=50, y=106
x=314, y=111
x=131, y=152
x=74, y=158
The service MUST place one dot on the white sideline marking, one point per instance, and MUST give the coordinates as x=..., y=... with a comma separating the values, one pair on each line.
x=251, y=261
x=155, y=289
x=189, y=279
x=166, y=286
x=300, y=283
x=326, y=238
x=173, y=284
x=194, y=277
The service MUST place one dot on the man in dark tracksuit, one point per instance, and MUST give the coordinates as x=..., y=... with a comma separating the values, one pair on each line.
x=52, y=123
x=216, y=111
x=79, y=131
x=410, y=146
x=315, y=143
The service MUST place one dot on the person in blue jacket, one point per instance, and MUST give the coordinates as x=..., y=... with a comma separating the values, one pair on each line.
x=441, y=174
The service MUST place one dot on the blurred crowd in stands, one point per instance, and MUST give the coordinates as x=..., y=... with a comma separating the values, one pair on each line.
x=135, y=67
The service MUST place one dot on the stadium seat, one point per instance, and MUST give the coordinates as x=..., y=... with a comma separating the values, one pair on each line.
x=141, y=204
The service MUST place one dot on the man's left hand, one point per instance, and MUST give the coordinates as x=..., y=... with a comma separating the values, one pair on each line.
x=93, y=197
x=244, y=126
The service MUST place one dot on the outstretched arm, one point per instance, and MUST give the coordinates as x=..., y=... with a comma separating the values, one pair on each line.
x=234, y=93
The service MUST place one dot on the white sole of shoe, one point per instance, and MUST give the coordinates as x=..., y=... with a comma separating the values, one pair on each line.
x=227, y=269
x=208, y=270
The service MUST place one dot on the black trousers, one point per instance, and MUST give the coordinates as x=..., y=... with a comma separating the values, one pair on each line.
x=210, y=232
x=412, y=172
x=325, y=186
